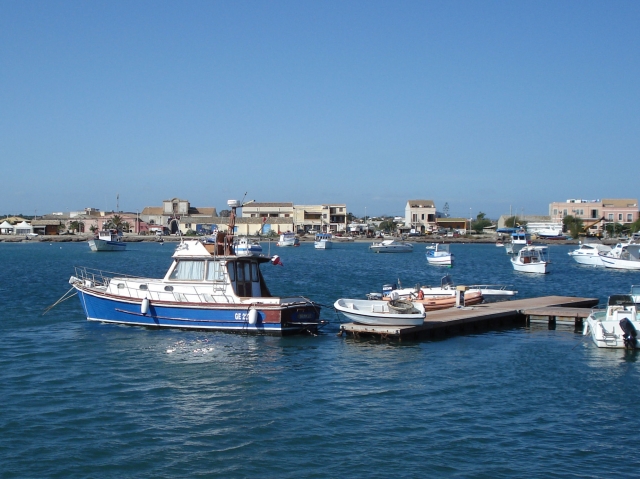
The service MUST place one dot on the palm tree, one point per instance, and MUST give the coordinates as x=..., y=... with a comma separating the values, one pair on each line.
x=115, y=223
x=76, y=226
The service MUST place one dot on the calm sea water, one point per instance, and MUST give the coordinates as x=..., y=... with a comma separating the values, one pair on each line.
x=81, y=399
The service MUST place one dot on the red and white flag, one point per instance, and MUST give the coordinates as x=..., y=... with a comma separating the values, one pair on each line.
x=276, y=260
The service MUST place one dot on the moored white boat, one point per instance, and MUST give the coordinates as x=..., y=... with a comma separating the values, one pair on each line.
x=107, y=241
x=545, y=229
x=532, y=259
x=519, y=239
x=323, y=241
x=439, y=254
x=207, y=287
x=616, y=326
x=629, y=258
x=381, y=313
x=288, y=239
x=247, y=247
x=590, y=254
x=391, y=246
x=445, y=296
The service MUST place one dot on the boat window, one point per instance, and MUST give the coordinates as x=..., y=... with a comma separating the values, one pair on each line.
x=168, y=288
x=247, y=271
x=240, y=272
x=254, y=272
x=143, y=287
x=188, y=270
x=231, y=267
x=215, y=272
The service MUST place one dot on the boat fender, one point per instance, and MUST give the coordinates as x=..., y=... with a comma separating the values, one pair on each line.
x=253, y=316
x=585, y=329
x=144, y=307
x=630, y=333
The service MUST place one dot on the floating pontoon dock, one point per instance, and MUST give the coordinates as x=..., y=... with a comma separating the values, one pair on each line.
x=549, y=309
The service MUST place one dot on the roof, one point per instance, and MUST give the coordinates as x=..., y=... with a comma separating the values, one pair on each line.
x=620, y=203
x=268, y=205
x=421, y=203
x=152, y=210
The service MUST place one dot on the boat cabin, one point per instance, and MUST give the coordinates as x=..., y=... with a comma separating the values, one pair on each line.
x=242, y=273
x=533, y=255
x=620, y=306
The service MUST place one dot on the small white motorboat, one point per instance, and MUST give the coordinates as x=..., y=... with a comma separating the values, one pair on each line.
x=439, y=254
x=532, y=259
x=288, y=239
x=244, y=246
x=519, y=239
x=108, y=240
x=615, y=327
x=590, y=254
x=323, y=241
x=391, y=246
x=629, y=258
x=382, y=313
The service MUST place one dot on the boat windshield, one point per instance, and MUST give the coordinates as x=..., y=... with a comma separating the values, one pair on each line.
x=188, y=270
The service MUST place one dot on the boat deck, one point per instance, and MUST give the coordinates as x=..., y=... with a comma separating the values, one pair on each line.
x=550, y=309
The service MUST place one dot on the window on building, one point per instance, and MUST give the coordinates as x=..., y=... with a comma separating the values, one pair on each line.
x=555, y=211
x=610, y=216
x=422, y=216
x=594, y=214
x=619, y=216
x=629, y=217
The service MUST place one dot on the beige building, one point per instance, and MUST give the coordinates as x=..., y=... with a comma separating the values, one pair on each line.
x=299, y=218
x=420, y=215
x=596, y=213
x=321, y=218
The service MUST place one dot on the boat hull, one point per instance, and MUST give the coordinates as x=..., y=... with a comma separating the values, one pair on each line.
x=277, y=320
x=618, y=263
x=536, y=268
x=607, y=333
x=103, y=245
x=322, y=245
x=587, y=259
x=376, y=313
x=440, y=260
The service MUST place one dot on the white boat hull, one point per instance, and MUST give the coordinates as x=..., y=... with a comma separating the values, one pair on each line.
x=103, y=245
x=587, y=259
x=537, y=268
x=322, y=244
x=618, y=263
x=606, y=333
x=377, y=313
x=445, y=260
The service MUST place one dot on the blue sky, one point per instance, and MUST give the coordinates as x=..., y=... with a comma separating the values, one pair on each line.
x=484, y=105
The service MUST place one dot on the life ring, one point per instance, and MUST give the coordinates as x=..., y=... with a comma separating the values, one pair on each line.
x=420, y=294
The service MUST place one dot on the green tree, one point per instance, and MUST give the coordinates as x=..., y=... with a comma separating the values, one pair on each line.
x=388, y=226
x=513, y=222
x=635, y=226
x=573, y=225
x=115, y=223
x=480, y=223
x=76, y=226
x=616, y=229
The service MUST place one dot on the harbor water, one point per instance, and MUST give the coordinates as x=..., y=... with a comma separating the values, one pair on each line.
x=83, y=399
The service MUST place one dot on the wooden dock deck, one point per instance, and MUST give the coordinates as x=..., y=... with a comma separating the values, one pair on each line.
x=550, y=309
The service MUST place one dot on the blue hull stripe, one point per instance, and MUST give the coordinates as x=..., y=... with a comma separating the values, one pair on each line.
x=227, y=318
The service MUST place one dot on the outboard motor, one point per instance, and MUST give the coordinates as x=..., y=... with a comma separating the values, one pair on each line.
x=630, y=334
x=387, y=288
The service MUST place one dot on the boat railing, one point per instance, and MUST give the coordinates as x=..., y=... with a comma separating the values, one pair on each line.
x=98, y=277
x=500, y=287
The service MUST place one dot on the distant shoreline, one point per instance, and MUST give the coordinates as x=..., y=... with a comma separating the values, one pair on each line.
x=476, y=239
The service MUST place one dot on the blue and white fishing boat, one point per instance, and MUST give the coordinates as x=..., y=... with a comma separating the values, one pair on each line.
x=207, y=287
x=247, y=247
x=322, y=241
x=107, y=241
